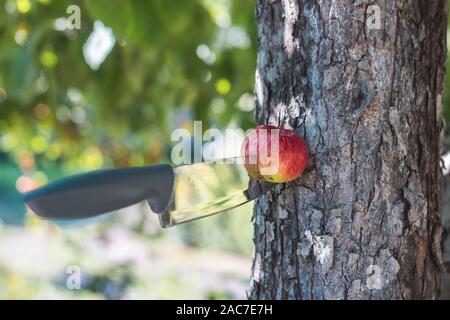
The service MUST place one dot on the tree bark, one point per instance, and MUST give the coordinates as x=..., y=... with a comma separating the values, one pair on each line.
x=363, y=221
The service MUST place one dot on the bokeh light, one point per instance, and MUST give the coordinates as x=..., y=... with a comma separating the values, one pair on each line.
x=223, y=86
x=72, y=101
x=23, y=6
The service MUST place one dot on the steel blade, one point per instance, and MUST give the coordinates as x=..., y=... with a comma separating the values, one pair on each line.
x=208, y=188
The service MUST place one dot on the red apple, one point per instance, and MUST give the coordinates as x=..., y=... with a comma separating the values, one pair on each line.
x=274, y=154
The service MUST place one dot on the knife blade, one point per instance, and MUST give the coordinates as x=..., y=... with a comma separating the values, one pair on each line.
x=208, y=188
x=177, y=194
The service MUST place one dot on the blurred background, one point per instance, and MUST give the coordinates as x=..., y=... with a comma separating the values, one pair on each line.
x=109, y=95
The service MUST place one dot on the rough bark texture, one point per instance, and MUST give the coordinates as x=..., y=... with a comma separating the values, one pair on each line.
x=445, y=288
x=363, y=221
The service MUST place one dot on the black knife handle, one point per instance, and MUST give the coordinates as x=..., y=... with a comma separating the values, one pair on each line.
x=90, y=194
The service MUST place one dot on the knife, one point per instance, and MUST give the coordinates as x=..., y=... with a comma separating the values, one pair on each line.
x=177, y=194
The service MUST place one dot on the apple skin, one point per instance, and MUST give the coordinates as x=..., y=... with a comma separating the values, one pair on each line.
x=293, y=155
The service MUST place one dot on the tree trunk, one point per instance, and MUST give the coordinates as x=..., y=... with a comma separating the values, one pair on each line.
x=363, y=221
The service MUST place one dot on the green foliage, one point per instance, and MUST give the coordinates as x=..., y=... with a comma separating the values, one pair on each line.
x=58, y=116
x=127, y=104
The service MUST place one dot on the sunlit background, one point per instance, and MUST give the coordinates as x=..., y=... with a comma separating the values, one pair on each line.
x=109, y=95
